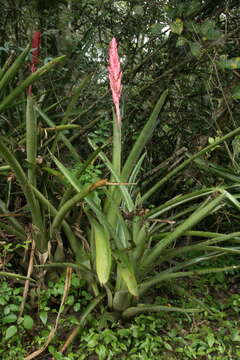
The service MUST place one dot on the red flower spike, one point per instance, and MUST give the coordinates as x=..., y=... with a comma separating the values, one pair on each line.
x=36, y=43
x=115, y=77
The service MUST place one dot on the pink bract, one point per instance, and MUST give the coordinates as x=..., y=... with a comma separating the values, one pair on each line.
x=115, y=76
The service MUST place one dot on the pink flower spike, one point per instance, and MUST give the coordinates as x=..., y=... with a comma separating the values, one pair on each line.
x=115, y=77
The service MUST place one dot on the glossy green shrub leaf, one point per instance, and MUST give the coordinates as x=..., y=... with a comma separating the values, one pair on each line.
x=27, y=322
x=177, y=26
x=11, y=331
x=10, y=318
x=43, y=316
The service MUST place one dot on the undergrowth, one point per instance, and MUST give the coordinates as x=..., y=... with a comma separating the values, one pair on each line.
x=212, y=334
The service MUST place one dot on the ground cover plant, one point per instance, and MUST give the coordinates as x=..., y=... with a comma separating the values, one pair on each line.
x=211, y=334
x=94, y=212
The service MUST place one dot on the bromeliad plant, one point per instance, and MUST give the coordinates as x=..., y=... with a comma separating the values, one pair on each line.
x=122, y=248
x=125, y=242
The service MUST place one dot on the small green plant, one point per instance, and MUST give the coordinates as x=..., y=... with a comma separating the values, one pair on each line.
x=77, y=300
x=13, y=327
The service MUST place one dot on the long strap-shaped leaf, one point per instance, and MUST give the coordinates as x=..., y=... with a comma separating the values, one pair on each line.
x=143, y=138
x=195, y=218
x=199, y=246
x=11, y=72
x=162, y=277
x=103, y=254
x=224, y=173
x=70, y=190
x=29, y=80
x=175, y=171
x=75, y=244
x=14, y=222
x=31, y=140
x=82, y=194
x=178, y=200
x=26, y=188
x=76, y=93
x=133, y=157
x=123, y=189
x=64, y=139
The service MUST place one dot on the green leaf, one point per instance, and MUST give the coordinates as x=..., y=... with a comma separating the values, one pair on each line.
x=28, y=81
x=123, y=189
x=177, y=26
x=71, y=178
x=176, y=170
x=210, y=340
x=103, y=254
x=181, y=41
x=11, y=331
x=235, y=335
x=27, y=322
x=15, y=276
x=67, y=143
x=31, y=140
x=156, y=28
x=236, y=92
x=11, y=72
x=196, y=49
x=143, y=137
x=9, y=318
x=209, y=31
x=127, y=272
x=43, y=316
x=168, y=346
x=192, y=220
x=230, y=64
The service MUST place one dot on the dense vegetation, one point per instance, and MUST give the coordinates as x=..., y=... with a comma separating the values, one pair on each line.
x=119, y=182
